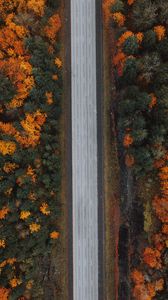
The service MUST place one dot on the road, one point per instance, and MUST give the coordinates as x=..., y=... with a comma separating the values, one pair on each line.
x=84, y=150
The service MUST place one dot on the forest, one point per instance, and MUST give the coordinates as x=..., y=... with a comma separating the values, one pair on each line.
x=138, y=46
x=30, y=152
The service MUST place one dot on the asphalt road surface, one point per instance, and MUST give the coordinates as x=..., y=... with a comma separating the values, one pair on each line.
x=84, y=150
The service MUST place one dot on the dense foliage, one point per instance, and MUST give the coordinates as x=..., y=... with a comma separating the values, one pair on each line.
x=140, y=64
x=30, y=166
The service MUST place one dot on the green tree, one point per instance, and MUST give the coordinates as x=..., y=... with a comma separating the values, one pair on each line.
x=144, y=14
x=118, y=6
x=162, y=48
x=130, y=71
x=7, y=90
x=149, y=40
x=143, y=160
x=148, y=66
x=163, y=11
x=131, y=46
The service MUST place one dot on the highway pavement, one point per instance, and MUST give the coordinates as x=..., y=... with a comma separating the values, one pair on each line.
x=84, y=150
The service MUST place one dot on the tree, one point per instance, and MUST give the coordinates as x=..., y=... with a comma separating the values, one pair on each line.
x=163, y=11
x=117, y=6
x=144, y=160
x=162, y=48
x=148, y=65
x=7, y=90
x=161, y=76
x=149, y=40
x=30, y=164
x=131, y=46
x=139, y=135
x=144, y=14
x=160, y=32
x=130, y=71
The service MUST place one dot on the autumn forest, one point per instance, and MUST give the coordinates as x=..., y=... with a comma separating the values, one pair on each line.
x=129, y=85
x=30, y=97
x=138, y=48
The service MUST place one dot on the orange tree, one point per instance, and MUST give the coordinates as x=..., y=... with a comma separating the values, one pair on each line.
x=30, y=166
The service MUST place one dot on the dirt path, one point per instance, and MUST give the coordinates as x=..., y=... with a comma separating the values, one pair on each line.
x=100, y=138
x=111, y=175
x=59, y=277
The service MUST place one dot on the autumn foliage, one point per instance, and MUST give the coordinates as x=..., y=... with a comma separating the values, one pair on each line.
x=30, y=165
x=160, y=32
x=119, y=18
x=53, y=27
x=4, y=293
x=152, y=258
x=144, y=290
x=129, y=160
x=140, y=75
x=128, y=140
